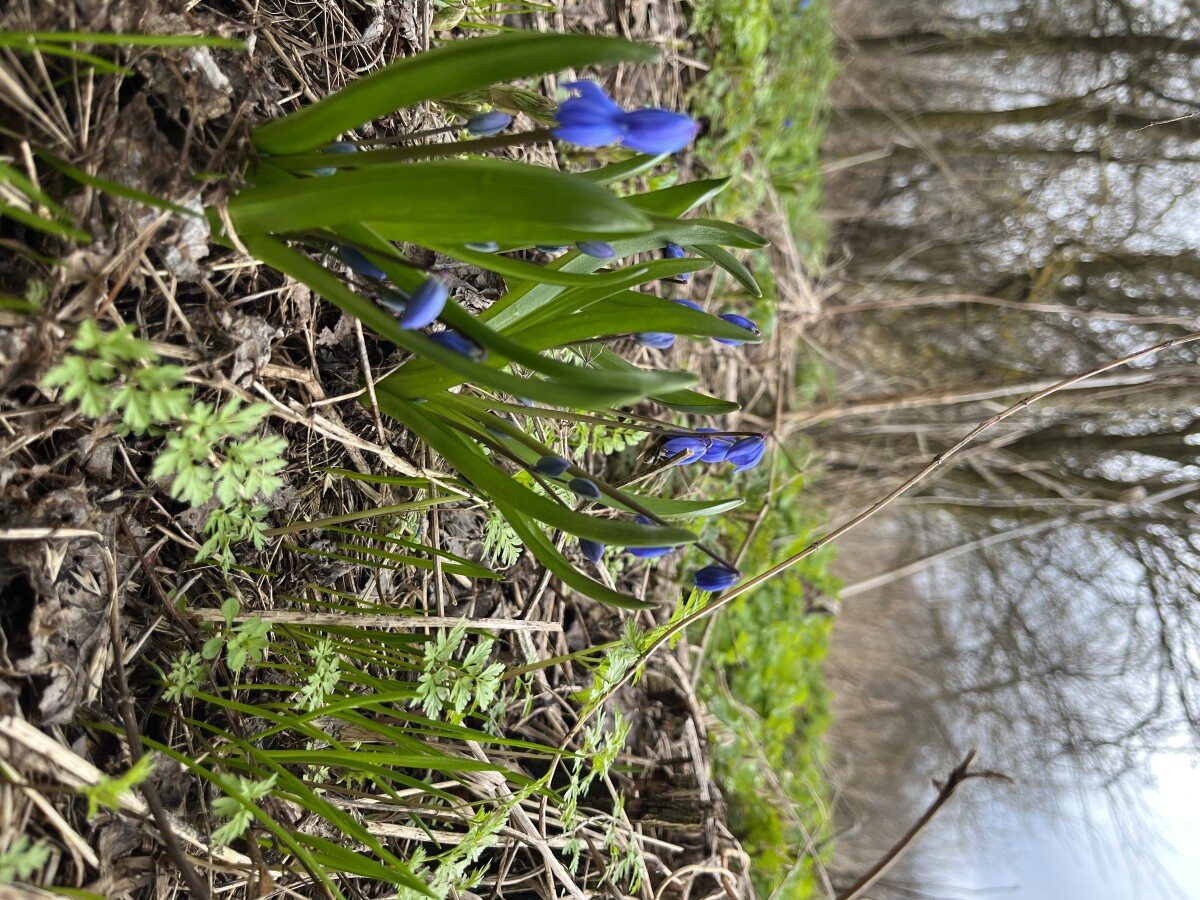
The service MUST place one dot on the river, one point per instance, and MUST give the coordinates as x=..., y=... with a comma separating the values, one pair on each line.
x=1016, y=197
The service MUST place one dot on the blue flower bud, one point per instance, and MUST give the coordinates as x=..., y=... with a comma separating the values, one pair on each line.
x=690, y=305
x=357, y=261
x=590, y=120
x=694, y=447
x=393, y=300
x=656, y=340
x=674, y=251
x=426, y=305
x=552, y=466
x=336, y=147
x=720, y=446
x=741, y=322
x=648, y=552
x=598, y=249
x=488, y=124
x=551, y=248
x=593, y=120
x=584, y=487
x=746, y=453
x=716, y=578
x=460, y=344
x=591, y=550
x=483, y=247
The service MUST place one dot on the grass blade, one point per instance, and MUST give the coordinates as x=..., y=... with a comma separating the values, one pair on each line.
x=448, y=70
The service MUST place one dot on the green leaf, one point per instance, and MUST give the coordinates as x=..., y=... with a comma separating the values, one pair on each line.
x=671, y=508
x=112, y=187
x=618, y=279
x=503, y=489
x=455, y=68
x=20, y=39
x=622, y=171
x=571, y=386
x=630, y=312
x=543, y=548
x=679, y=199
x=683, y=401
x=730, y=264
x=443, y=201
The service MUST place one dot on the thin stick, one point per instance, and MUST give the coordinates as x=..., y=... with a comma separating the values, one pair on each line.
x=196, y=884
x=934, y=464
x=945, y=792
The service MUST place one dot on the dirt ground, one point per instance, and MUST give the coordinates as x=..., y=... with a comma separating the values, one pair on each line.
x=91, y=547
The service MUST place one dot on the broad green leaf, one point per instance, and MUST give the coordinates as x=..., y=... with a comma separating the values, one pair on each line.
x=621, y=171
x=629, y=312
x=527, y=298
x=679, y=199
x=671, y=508
x=616, y=280
x=443, y=201
x=681, y=401
x=454, y=68
x=543, y=548
x=730, y=264
x=576, y=388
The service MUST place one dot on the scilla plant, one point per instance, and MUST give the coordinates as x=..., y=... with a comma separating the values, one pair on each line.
x=310, y=200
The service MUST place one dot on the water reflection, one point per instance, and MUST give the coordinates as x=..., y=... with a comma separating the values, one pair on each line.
x=1030, y=208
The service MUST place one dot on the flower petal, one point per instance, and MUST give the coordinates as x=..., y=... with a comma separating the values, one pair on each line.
x=657, y=130
x=656, y=340
x=552, y=466
x=426, y=305
x=716, y=578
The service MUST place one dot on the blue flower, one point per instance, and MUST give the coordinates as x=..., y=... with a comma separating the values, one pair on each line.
x=357, y=261
x=393, y=300
x=674, y=251
x=593, y=120
x=716, y=578
x=598, y=249
x=552, y=466
x=719, y=448
x=591, y=550
x=648, y=552
x=336, y=147
x=460, y=344
x=488, y=124
x=656, y=340
x=657, y=131
x=483, y=247
x=694, y=447
x=741, y=322
x=590, y=120
x=426, y=305
x=746, y=453
x=584, y=487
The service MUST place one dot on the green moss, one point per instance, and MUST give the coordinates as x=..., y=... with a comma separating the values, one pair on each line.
x=767, y=690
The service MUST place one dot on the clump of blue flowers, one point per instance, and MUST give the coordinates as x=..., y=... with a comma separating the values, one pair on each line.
x=593, y=119
x=707, y=445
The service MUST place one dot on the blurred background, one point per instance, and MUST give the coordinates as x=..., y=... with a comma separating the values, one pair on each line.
x=1012, y=195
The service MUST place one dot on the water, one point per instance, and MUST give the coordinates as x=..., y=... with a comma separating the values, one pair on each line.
x=1033, y=185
